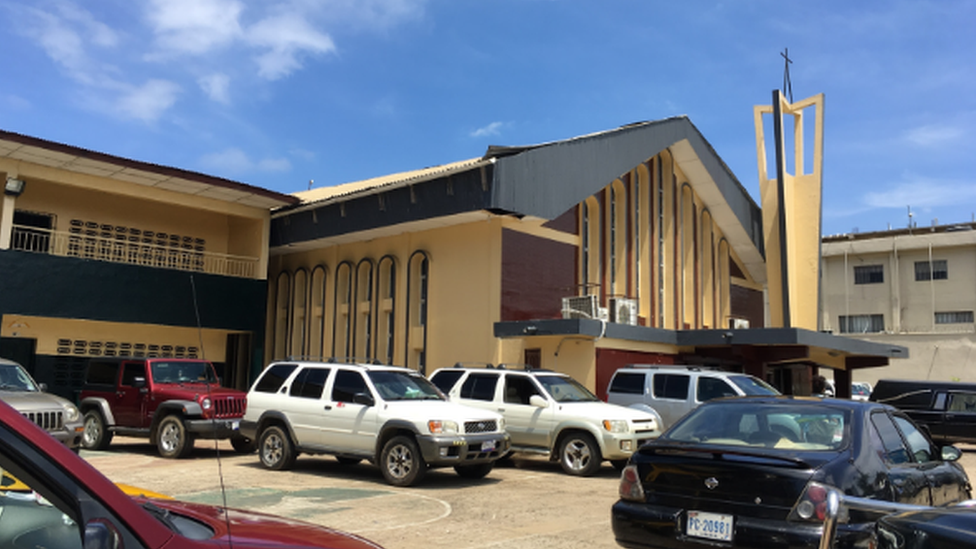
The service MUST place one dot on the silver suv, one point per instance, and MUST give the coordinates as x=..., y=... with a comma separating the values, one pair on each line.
x=390, y=416
x=52, y=413
x=673, y=391
x=551, y=413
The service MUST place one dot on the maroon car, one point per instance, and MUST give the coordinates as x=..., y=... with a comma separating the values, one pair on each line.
x=64, y=502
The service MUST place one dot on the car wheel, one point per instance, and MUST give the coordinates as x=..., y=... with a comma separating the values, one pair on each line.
x=172, y=440
x=401, y=462
x=347, y=460
x=275, y=449
x=474, y=471
x=96, y=435
x=243, y=445
x=579, y=455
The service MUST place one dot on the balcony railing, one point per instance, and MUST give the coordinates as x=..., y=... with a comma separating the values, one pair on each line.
x=64, y=244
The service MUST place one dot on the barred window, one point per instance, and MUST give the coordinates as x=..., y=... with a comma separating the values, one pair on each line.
x=861, y=324
x=954, y=317
x=869, y=274
x=937, y=269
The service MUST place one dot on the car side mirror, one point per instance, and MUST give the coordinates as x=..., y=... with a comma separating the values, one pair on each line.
x=139, y=382
x=538, y=401
x=101, y=534
x=42, y=387
x=363, y=398
x=951, y=453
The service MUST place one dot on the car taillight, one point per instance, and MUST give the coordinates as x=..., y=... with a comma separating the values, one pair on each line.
x=630, y=486
x=812, y=504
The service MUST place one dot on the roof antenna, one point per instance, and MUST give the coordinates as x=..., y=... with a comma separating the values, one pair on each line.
x=787, y=84
x=310, y=182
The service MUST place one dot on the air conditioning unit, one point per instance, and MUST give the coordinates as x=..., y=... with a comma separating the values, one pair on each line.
x=739, y=324
x=623, y=310
x=583, y=306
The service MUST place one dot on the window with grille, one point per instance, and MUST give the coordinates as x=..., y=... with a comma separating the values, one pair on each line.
x=935, y=270
x=861, y=324
x=107, y=242
x=954, y=317
x=869, y=274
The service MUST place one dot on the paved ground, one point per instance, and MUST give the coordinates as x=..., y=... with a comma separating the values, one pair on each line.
x=527, y=504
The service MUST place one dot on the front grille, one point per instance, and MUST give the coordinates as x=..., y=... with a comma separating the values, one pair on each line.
x=230, y=407
x=49, y=421
x=483, y=426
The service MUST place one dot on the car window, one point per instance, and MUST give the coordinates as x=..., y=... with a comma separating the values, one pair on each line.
x=347, y=384
x=32, y=521
x=274, y=377
x=519, y=388
x=182, y=372
x=445, y=379
x=674, y=386
x=777, y=426
x=309, y=383
x=919, y=446
x=631, y=383
x=962, y=402
x=102, y=373
x=14, y=378
x=131, y=371
x=480, y=386
x=895, y=451
x=753, y=385
x=565, y=389
x=713, y=387
x=393, y=385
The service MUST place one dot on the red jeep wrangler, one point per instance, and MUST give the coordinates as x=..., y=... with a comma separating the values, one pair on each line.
x=172, y=401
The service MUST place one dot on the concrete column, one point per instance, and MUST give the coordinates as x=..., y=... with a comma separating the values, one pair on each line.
x=7, y=216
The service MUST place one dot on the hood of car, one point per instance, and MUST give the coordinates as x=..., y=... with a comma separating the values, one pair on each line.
x=254, y=529
x=32, y=401
x=437, y=409
x=600, y=411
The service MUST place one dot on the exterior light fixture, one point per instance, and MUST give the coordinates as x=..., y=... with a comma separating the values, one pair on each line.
x=14, y=187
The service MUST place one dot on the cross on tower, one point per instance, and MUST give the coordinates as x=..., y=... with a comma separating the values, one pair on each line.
x=787, y=85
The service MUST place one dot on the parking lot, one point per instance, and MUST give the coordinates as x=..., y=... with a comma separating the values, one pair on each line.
x=528, y=503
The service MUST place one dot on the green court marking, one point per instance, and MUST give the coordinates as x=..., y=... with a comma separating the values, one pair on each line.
x=259, y=498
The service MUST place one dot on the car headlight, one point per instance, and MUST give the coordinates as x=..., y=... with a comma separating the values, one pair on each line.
x=438, y=426
x=205, y=403
x=616, y=425
x=71, y=413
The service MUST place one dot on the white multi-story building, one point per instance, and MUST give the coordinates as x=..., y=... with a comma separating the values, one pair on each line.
x=910, y=287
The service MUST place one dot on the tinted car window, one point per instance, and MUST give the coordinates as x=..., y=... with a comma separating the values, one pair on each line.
x=962, y=402
x=753, y=385
x=274, y=377
x=917, y=443
x=403, y=386
x=566, y=389
x=445, y=379
x=131, y=371
x=103, y=373
x=309, y=383
x=480, y=386
x=347, y=384
x=895, y=451
x=671, y=386
x=518, y=389
x=629, y=383
x=710, y=387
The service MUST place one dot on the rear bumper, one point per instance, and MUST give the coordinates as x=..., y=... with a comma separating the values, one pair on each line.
x=640, y=526
x=447, y=450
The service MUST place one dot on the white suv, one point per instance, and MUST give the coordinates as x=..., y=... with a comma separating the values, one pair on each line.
x=390, y=416
x=551, y=413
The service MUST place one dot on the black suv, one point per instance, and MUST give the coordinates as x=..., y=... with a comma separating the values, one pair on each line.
x=947, y=409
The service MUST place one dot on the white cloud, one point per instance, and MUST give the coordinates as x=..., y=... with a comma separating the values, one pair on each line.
x=922, y=192
x=216, y=86
x=15, y=102
x=933, y=135
x=194, y=26
x=236, y=161
x=287, y=37
x=491, y=129
x=149, y=101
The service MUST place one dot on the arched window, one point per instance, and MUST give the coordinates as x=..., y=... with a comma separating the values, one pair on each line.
x=342, y=315
x=363, y=320
x=689, y=272
x=617, y=260
x=724, y=283
x=643, y=202
x=282, y=316
x=708, y=270
x=418, y=275
x=296, y=346
x=386, y=309
x=316, y=313
x=590, y=257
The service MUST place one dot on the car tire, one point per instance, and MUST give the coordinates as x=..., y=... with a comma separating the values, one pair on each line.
x=345, y=460
x=276, y=449
x=401, y=462
x=172, y=440
x=96, y=435
x=243, y=445
x=480, y=470
x=579, y=455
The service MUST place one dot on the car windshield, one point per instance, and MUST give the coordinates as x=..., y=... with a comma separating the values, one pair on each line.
x=403, y=386
x=14, y=378
x=565, y=389
x=183, y=372
x=753, y=385
x=776, y=426
x=860, y=389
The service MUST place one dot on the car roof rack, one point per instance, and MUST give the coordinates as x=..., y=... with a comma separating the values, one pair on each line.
x=488, y=365
x=689, y=367
x=336, y=359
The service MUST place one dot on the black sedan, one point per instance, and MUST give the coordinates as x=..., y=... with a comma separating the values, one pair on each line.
x=946, y=528
x=756, y=472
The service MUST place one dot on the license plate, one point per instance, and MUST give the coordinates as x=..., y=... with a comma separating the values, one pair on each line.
x=709, y=526
x=488, y=446
x=235, y=425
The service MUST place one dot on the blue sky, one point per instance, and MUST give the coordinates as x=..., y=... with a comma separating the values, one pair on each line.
x=277, y=93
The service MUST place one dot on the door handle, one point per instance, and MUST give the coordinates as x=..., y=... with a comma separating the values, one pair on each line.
x=328, y=407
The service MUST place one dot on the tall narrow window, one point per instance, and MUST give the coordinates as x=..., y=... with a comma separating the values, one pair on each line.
x=385, y=309
x=585, y=244
x=282, y=308
x=417, y=302
x=342, y=317
x=363, y=321
x=591, y=237
x=316, y=312
x=299, y=297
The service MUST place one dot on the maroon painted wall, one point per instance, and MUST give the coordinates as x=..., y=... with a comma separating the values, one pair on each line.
x=747, y=304
x=609, y=361
x=536, y=274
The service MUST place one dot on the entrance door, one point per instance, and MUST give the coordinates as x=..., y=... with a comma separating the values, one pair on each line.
x=237, y=362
